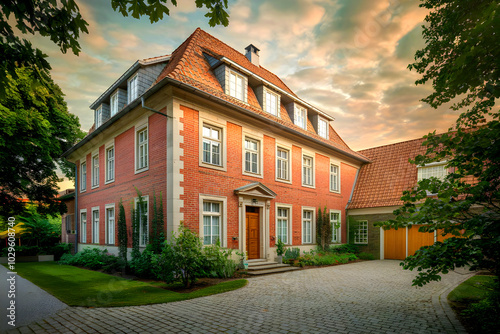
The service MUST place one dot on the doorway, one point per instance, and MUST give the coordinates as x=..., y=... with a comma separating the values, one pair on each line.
x=253, y=232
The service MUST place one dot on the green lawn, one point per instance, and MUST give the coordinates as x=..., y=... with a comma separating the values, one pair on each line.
x=473, y=290
x=79, y=287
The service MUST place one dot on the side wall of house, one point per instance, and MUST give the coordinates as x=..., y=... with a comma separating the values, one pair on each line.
x=373, y=245
x=126, y=179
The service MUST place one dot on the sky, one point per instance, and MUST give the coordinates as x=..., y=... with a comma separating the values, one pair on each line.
x=348, y=58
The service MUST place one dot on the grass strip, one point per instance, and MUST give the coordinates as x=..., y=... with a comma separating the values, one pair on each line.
x=80, y=287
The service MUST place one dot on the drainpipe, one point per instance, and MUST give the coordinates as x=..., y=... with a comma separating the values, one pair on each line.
x=349, y=202
x=76, y=206
x=151, y=109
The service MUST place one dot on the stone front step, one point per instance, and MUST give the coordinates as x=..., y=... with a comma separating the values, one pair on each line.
x=263, y=267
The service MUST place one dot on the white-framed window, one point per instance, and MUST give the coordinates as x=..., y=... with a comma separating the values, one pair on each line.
x=283, y=224
x=113, y=101
x=271, y=103
x=83, y=176
x=95, y=170
x=212, y=213
x=110, y=164
x=213, y=219
x=307, y=226
x=437, y=170
x=110, y=224
x=133, y=88
x=323, y=128
x=335, y=222
x=98, y=117
x=307, y=171
x=212, y=145
x=83, y=226
x=142, y=211
x=142, y=149
x=95, y=225
x=361, y=232
x=282, y=164
x=300, y=117
x=236, y=86
x=334, y=178
x=252, y=153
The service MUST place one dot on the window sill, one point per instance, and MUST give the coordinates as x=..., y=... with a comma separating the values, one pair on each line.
x=93, y=187
x=138, y=171
x=253, y=174
x=283, y=181
x=110, y=181
x=309, y=186
x=216, y=167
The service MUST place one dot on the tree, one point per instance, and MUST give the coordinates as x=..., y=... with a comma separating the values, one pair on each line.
x=122, y=233
x=323, y=229
x=461, y=59
x=35, y=129
x=62, y=22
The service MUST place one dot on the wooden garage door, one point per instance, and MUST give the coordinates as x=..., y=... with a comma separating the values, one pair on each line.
x=395, y=244
x=418, y=239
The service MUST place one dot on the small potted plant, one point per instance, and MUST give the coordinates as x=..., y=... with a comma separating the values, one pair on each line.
x=280, y=250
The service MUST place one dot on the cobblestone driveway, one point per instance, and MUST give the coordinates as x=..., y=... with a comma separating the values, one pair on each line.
x=364, y=297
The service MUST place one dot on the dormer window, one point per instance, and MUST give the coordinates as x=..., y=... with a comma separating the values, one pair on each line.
x=272, y=102
x=133, y=88
x=98, y=117
x=300, y=117
x=236, y=84
x=114, y=103
x=437, y=170
x=323, y=128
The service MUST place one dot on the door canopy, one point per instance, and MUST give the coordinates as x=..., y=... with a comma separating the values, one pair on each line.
x=255, y=189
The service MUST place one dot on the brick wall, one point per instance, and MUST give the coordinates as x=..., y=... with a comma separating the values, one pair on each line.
x=373, y=246
x=126, y=180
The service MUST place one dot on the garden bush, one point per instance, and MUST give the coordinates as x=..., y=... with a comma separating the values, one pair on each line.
x=345, y=248
x=311, y=259
x=93, y=258
x=218, y=262
x=291, y=254
x=141, y=264
x=366, y=256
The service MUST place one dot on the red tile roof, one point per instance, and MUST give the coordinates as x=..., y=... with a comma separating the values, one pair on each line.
x=382, y=182
x=189, y=65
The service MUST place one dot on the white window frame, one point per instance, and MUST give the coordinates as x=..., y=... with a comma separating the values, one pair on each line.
x=95, y=170
x=83, y=226
x=323, y=132
x=271, y=107
x=113, y=103
x=143, y=235
x=133, y=88
x=110, y=224
x=138, y=145
x=288, y=208
x=254, y=153
x=223, y=214
x=361, y=232
x=98, y=117
x=305, y=182
x=422, y=171
x=83, y=176
x=334, y=178
x=300, y=114
x=110, y=164
x=233, y=86
x=281, y=161
x=221, y=141
x=336, y=233
x=95, y=225
x=312, y=239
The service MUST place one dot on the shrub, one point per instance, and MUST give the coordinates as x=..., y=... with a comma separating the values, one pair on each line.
x=366, y=256
x=280, y=247
x=309, y=259
x=141, y=264
x=291, y=254
x=182, y=259
x=93, y=258
x=60, y=249
x=345, y=248
x=484, y=316
x=218, y=262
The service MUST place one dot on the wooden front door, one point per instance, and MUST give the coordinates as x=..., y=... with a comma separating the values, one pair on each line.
x=418, y=239
x=395, y=244
x=253, y=235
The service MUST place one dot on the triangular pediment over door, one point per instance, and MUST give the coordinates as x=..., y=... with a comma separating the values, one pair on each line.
x=255, y=189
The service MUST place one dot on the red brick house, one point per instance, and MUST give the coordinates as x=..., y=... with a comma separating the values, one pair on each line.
x=237, y=156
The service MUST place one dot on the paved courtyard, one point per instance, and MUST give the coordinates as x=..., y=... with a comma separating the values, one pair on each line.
x=364, y=297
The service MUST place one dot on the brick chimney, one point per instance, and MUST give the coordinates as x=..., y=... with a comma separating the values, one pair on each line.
x=252, y=53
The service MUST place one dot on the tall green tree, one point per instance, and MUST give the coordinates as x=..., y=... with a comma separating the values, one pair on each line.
x=63, y=23
x=35, y=129
x=462, y=60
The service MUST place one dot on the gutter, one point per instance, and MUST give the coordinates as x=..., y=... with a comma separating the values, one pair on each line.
x=163, y=82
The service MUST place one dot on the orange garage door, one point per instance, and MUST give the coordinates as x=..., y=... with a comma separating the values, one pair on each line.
x=395, y=244
x=418, y=239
